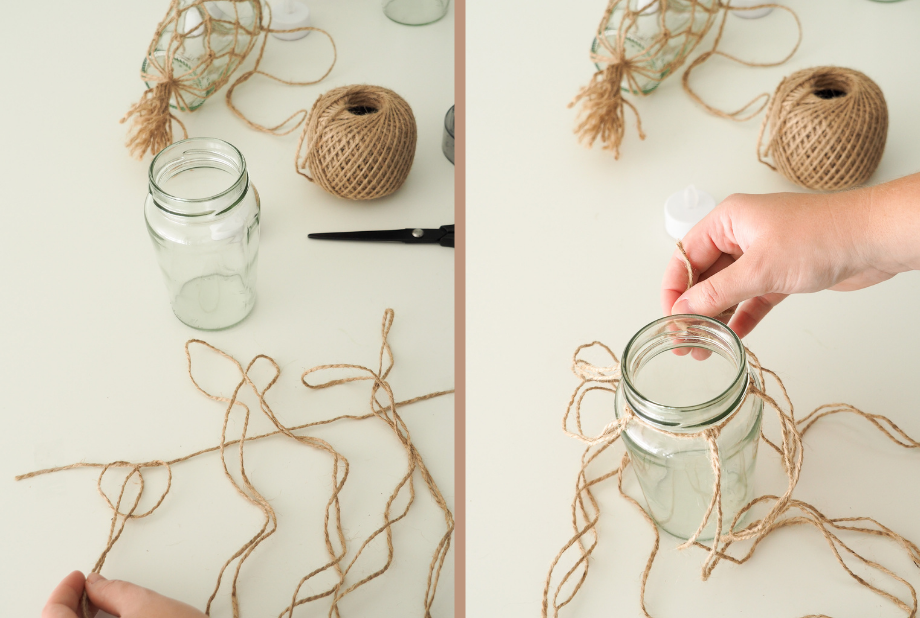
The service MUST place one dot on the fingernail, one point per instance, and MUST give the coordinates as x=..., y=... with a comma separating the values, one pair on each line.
x=92, y=578
x=682, y=306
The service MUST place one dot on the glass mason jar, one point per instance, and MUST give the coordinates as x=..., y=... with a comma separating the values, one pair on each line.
x=686, y=393
x=191, y=56
x=202, y=214
x=415, y=12
x=642, y=38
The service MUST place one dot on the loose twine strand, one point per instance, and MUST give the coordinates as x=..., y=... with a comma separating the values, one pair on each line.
x=151, y=117
x=784, y=511
x=603, y=102
x=334, y=534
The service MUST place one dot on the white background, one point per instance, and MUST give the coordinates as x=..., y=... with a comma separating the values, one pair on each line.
x=92, y=357
x=567, y=245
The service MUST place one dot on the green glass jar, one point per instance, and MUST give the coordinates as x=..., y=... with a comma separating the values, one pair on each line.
x=681, y=375
x=202, y=213
x=206, y=55
x=643, y=38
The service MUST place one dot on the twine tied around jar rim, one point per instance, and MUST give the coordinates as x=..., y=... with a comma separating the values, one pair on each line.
x=586, y=509
x=335, y=535
x=603, y=102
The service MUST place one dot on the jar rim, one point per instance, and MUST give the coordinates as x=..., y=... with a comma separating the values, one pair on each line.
x=697, y=415
x=158, y=191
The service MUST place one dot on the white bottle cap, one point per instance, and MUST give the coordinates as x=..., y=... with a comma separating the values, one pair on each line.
x=685, y=209
x=751, y=14
x=287, y=15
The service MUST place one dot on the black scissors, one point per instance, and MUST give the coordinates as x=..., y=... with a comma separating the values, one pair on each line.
x=443, y=236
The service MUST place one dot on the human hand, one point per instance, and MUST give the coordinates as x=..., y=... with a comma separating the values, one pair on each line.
x=757, y=249
x=115, y=597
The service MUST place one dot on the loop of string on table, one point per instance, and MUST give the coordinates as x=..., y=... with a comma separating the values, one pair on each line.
x=334, y=534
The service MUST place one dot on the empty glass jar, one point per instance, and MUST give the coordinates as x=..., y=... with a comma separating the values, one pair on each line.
x=687, y=393
x=202, y=214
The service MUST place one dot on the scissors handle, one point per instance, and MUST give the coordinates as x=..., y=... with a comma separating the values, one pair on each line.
x=448, y=239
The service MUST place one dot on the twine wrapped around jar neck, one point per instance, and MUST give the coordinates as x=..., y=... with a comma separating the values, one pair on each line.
x=586, y=508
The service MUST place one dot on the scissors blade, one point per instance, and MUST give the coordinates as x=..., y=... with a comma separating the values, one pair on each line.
x=408, y=235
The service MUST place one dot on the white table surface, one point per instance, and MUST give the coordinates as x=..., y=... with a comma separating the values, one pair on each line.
x=92, y=357
x=567, y=245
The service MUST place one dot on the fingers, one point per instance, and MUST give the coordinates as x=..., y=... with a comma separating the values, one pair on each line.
x=738, y=282
x=723, y=262
x=64, y=601
x=116, y=597
x=675, y=280
x=130, y=601
x=751, y=312
x=710, y=247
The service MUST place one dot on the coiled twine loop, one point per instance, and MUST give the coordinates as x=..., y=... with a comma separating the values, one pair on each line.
x=360, y=142
x=827, y=128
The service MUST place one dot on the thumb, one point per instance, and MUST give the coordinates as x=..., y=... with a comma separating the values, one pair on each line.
x=736, y=283
x=116, y=597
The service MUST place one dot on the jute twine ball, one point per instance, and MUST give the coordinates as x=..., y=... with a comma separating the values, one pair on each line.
x=827, y=128
x=360, y=142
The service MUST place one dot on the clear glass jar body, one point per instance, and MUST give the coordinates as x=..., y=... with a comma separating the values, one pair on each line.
x=643, y=37
x=684, y=395
x=202, y=213
x=189, y=59
x=415, y=12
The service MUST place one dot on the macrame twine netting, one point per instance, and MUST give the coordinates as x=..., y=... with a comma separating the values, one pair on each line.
x=603, y=102
x=826, y=128
x=349, y=575
x=360, y=142
x=563, y=583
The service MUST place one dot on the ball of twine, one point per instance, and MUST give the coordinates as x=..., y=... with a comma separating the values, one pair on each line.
x=827, y=128
x=360, y=142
